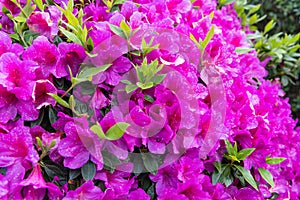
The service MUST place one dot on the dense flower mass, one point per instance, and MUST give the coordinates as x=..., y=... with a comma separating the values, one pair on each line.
x=140, y=100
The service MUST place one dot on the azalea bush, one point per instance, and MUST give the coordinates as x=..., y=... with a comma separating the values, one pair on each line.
x=139, y=100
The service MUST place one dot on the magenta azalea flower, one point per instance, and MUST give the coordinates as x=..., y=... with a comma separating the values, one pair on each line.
x=10, y=187
x=119, y=183
x=40, y=22
x=86, y=191
x=17, y=147
x=80, y=145
x=71, y=56
x=10, y=106
x=17, y=76
x=112, y=75
x=44, y=54
x=35, y=187
x=40, y=93
x=166, y=179
x=7, y=24
x=138, y=194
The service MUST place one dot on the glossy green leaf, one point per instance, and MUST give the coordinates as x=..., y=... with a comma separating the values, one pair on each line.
x=59, y=100
x=225, y=2
x=20, y=19
x=208, y=37
x=243, y=50
x=52, y=114
x=117, y=2
x=247, y=175
x=39, y=142
x=88, y=170
x=145, y=86
x=125, y=28
x=254, y=9
x=98, y=131
x=275, y=160
x=39, y=4
x=148, y=98
x=70, y=5
x=74, y=173
x=130, y=88
x=117, y=30
x=229, y=147
x=158, y=79
x=235, y=149
x=71, y=36
x=267, y=176
x=91, y=71
x=150, y=163
x=72, y=102
x=219, y=177
x=192, y=37
x=116, y=131
x=269, y=26
x=218, y=165
x=244, y=153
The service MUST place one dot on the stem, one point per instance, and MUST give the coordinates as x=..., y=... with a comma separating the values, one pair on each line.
x=68, y=90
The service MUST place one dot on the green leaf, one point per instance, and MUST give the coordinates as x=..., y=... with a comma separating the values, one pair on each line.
x=116, y=131
x=72, y=102
x=235, y=149
x=226, y=2
x=88, y=171
x=110, y=161
x=244, y=153
x=269, y=26
x=90, y=44
x=254, y=9
x=15, y=36
x=59, y=100
x=52, y=114
x=158, y=79
x=117, y=30
x=267, y=176
x=125, y=28
x=53, y=169
x=150, y=163
x=212, y=14
x=247, y=175
x=70, y=5
x=20, y=19
x=144, y=86
x=39, y=142
x=148, y=98
x=221, y=175
x=71, y=36
x=98, y=131
x=192, y=37
x=218, y=165
x=39, y=4
x=88, y=72
x=29, y=36
x=208, y=37
x=130, y=88
x=74, y=173
x=126, y=81
x=243, y=50
x=117, y=2
x=229, y=147
x=274, y=160
x=28, y=8
x=284, y=80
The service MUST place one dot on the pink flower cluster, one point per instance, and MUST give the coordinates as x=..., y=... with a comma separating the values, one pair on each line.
x=205, y=96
